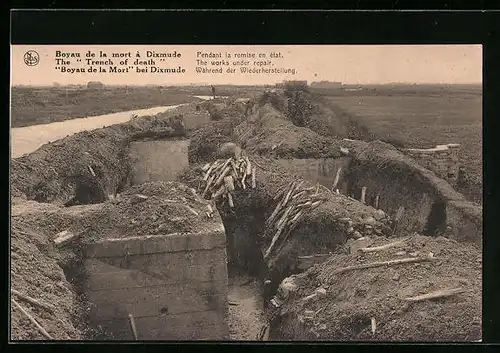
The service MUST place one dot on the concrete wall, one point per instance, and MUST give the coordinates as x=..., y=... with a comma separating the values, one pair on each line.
x=464, y=221
x=392, y=192
x=196, y=119
x=158, y=160
x=175, y=286
x=403, y=190
x=442, y=160
x=318, y=170
x=396, y=191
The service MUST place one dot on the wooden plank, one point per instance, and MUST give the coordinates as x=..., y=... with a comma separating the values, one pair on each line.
x=363, y=194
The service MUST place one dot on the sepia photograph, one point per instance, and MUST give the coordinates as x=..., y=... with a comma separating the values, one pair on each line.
x=246, y=193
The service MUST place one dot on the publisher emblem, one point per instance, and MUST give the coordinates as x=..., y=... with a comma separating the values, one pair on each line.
x=31, y=58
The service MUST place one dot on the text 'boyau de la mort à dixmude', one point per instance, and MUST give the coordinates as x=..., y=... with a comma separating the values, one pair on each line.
x=171, y=62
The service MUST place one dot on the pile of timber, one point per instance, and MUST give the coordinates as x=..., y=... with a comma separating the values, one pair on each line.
x=226, y=175
x=294, y=203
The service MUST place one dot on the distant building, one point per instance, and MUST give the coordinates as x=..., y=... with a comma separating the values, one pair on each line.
x=291, y=83
x=296, y=83
x=95, y=85
x=56, y=84
x=326, y=84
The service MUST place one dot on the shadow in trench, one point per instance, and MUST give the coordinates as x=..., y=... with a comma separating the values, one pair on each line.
x=436, y=221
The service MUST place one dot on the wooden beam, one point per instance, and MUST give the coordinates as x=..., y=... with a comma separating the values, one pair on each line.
x=363, y=194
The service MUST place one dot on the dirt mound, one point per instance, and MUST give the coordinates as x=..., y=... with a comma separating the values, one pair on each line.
x=268, y=133
x=224, y=108
x=147, y=209
x=330, y=120
x=36, y=273
x=37, y=265
x=265, y=131
x=320, y=231
x=348, y=300
x=206, y=141
x=306, y=109
x=53, y=172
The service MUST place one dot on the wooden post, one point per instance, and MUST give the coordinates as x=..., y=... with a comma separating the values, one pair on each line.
x=399, y=213
x=132, y=326
x=363, y=194
x=337, y=178
x=376, y=201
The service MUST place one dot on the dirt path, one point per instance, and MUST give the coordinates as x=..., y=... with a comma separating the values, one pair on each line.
x=246, y=317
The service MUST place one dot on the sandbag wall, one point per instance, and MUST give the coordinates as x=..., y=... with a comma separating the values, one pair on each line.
x=442, y=160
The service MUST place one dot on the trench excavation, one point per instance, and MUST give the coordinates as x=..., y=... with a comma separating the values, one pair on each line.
x=149, y=257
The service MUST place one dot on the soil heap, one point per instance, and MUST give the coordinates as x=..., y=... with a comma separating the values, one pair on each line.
x=348, y=301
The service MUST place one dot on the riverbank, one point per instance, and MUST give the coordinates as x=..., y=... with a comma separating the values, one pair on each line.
x=43, y=105
x=29, y=138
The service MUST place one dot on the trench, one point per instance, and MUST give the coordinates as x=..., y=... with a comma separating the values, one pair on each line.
x=164, y=160
x=204, y=298
x=229, y=300
x=212, y=284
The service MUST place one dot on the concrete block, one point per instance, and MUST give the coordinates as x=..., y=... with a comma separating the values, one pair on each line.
x=174, y=285
x=157, y=244
x=466, y=221
x=158, y=160
x=155, y=264
x=103, y=276
x=178, y=298
x=208, y=325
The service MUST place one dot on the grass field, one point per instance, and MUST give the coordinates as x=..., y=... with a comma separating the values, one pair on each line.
x=42, y=105
x=423, y=121
x=32, y=106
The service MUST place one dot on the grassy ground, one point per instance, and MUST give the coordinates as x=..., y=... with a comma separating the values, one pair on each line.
x=423, y=121
x=32, y=106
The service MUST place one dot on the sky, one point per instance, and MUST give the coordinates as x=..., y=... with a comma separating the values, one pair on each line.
x=349, y=64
